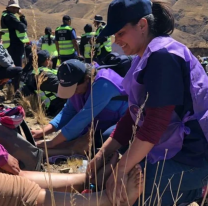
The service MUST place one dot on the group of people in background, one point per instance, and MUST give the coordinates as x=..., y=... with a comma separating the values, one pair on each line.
x=156, y=112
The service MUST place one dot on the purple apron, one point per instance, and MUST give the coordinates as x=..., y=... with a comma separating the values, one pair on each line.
x=172, y=139
x=106, y=118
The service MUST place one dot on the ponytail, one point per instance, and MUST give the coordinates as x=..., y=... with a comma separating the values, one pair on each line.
x=48, y=32
x=49, y=39
x=163, y=19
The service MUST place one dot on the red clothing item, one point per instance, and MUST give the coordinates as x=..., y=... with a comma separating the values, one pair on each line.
x=123, y=131
x=155, y=124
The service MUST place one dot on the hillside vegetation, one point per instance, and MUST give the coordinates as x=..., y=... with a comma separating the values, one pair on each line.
x=191, y=16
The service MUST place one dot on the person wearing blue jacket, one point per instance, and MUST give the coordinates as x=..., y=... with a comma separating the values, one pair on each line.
x=75, y=118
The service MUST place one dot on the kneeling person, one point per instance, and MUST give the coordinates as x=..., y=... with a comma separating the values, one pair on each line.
x=49, y=86
x=75, y=118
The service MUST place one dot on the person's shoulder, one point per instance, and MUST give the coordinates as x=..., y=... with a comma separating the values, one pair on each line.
x=163, y=55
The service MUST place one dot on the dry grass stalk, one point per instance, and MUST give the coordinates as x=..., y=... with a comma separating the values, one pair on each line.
x=133, y=136
x=154, y=183
x=166, y=151
x=205, y=196
x=40, y=112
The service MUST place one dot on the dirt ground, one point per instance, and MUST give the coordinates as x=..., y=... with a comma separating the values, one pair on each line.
x=73, y=165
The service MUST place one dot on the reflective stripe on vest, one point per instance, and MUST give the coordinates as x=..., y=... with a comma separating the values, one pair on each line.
x=107, y=44
x=22, y=36
x=46, y=96
x=50, y=48
x=66, y=47
x=88, y=47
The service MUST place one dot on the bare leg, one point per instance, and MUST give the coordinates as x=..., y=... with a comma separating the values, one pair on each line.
x=107, y=170
x=132, y=189
x=63, y=182
x=60, y=182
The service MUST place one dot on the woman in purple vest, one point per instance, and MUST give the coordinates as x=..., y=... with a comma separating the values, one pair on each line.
x=173, y=88
x=75, y=118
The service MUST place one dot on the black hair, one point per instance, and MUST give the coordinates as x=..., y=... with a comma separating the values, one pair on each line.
x=48, y=32
x=161, y=21
x=88, y=73
x=88, y=28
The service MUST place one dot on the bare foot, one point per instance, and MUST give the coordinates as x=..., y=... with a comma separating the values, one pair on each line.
x=134, y=187
x=110, y=163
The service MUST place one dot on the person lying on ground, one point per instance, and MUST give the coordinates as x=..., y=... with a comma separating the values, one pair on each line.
x=75, y=118
x=168, y=103
x=7, y=68
x=32, y=188
x=17, y=190
x=48, y=87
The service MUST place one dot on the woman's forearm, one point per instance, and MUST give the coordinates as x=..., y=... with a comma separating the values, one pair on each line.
x=48, y=129
x=109, y=146
x=137, y=151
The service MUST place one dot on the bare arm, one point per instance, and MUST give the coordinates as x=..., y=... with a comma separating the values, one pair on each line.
x=39, y=133
x=137, y=152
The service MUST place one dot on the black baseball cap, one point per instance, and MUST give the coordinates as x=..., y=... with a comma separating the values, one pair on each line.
x=43, y=55
x=66, y=18
x=121, y=12
x=70, y=73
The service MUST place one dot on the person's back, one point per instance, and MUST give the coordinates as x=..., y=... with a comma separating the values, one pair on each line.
x=103, y=44
x=47, y=42
x=65, y=37
x=48, y=87
x=86, y=43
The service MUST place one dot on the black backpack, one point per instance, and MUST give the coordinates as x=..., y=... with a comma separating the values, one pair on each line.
x=119, y=63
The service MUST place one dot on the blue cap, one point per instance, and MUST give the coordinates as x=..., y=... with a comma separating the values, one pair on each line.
x=121, y=12
x=70, y=73
x=43, y=55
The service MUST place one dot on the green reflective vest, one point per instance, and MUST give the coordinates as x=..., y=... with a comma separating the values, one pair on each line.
x=66, y=46
x=88, y=47
x=50, y=48
x=107, y=44
x=46, y=96
x=6, y=37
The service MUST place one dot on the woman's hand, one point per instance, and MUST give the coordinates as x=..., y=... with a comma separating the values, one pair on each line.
x=12, y=165
x=37, y=133
x=41, y=144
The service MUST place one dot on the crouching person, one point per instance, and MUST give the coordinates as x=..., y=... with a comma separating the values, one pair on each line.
x=7, y=67
x=101, y=102
x=48, y=87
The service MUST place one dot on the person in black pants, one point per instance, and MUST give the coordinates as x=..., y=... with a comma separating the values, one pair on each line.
x=16, y=26
x=7, y=68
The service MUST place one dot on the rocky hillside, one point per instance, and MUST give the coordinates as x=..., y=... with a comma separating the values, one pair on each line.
x=191, y=17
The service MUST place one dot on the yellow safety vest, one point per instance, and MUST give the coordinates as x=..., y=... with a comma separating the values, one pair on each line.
x=46, y=96
x=88, y=47
x=107, y=44
x=66, y=46
x=50, y=48
x=6, y=37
